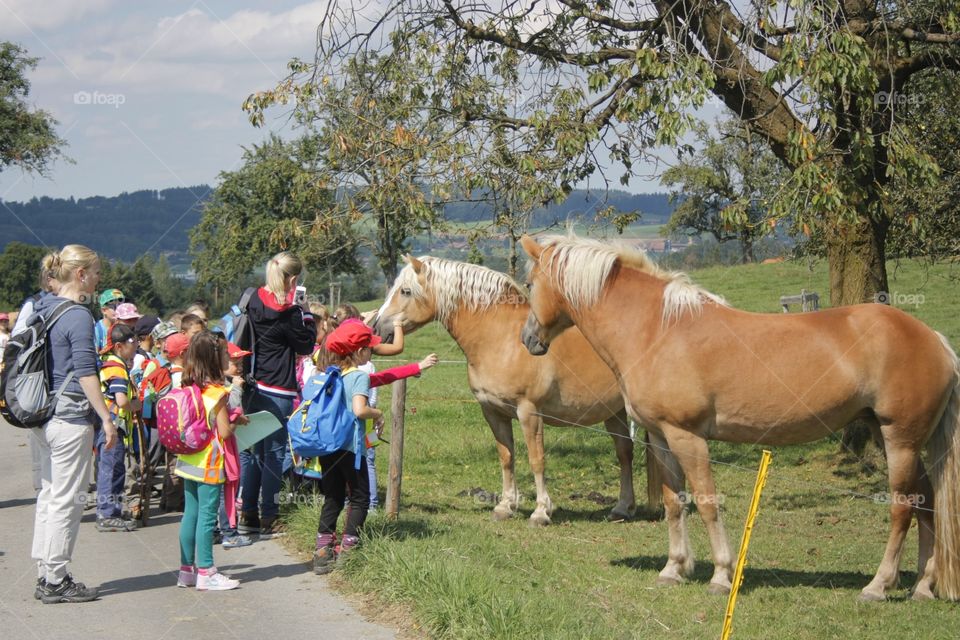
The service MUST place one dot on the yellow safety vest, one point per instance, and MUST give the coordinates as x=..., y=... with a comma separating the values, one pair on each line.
x=111, y=367
x=206, y=466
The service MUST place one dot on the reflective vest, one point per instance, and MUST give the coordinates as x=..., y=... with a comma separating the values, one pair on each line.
x=206, y=466
x=113, y=367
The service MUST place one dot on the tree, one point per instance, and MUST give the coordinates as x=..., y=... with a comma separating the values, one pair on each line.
x=272, y=203
x=817, y=80
x=27, y=136
x=20, y=266
x=725, y=187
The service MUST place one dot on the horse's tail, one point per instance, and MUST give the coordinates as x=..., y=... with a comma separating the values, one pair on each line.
x=943, y=450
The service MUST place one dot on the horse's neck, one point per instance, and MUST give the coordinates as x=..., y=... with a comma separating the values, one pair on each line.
x=625, y=321
x=475, y=332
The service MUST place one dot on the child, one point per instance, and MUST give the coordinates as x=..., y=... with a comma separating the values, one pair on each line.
x=121, y=400
x=127, y=313
x=192, y=324
x=173, y=348
x=351, y=346
x=203, y=472
x=172, y=496
x=109, y=300
x=227, y=514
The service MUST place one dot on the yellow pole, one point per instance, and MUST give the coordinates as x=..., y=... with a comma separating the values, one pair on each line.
x=744, y=543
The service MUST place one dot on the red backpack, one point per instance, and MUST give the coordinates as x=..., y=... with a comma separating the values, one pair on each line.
x=182, y=421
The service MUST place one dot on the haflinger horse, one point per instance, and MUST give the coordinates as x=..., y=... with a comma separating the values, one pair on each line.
x=693, y=369
x=484, y=310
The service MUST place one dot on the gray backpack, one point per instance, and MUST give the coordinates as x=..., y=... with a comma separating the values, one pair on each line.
x=26, y=399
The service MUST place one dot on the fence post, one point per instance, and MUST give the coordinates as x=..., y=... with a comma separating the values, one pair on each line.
x=395, y=474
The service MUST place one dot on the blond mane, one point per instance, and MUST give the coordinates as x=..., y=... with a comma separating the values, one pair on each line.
x=580, y=268
x=456, y=283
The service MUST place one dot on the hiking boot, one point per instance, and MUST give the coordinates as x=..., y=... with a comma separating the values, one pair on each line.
x=215, y=582
x=67, y=591
x=234, y=541
x=343, y=549
x=324, y=560
x=249, y=524
x=187, y=578
x=217, y=537
x=271, y=527
x=38, y=592
x=115, y=523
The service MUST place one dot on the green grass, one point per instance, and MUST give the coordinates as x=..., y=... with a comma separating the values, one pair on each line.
x=457, y=574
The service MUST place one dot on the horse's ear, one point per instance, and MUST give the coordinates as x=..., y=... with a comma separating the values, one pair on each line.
x=531, y=247
x=416, y=264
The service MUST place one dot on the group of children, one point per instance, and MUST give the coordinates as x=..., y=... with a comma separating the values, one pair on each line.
x=143, y=357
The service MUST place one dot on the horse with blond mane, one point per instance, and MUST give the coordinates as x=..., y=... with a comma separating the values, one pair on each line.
x=698, y=370
x=484, y=310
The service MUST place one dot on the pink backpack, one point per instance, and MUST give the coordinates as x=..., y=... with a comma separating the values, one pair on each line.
x=182, y=421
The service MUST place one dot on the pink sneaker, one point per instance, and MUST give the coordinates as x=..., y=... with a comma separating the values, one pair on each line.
x=216, y=581
x=186, y=578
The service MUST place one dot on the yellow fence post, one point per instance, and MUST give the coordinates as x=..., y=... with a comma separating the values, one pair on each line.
x=744, y=543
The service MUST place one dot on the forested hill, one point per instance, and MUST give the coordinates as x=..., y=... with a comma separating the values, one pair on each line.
x=122, y=227
x=131, y=224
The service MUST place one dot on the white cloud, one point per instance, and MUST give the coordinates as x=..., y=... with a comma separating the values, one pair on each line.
x=19, y=17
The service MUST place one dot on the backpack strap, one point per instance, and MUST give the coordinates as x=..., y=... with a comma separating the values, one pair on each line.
x=58, y=312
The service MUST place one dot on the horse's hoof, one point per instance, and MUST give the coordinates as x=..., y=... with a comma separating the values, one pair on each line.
x=668, y=581
x=539, y=520
x=716, y=589
x=619, y=516
x=871, y=596
x=499, y=515
x=921, y=595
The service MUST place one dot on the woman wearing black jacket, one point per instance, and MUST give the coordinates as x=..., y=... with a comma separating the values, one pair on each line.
x=281, y=332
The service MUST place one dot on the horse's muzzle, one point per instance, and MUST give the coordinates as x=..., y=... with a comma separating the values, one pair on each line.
x=528, y=336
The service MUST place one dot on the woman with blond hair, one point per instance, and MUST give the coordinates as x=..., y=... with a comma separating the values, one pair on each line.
x=66, y=440
x=282, y=330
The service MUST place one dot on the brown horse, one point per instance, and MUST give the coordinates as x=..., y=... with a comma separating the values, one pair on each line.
x=484, y=310
x=693, y=369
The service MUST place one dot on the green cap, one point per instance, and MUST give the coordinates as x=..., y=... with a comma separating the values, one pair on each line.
x=111, y=295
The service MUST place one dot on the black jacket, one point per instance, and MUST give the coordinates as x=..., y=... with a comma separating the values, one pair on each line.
x=281, y=332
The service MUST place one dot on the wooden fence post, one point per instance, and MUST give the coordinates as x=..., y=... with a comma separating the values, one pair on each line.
x=395, y=475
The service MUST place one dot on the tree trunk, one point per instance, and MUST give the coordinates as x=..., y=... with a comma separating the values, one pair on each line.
x=746, y=249
x=858, y=273
x=512, y=260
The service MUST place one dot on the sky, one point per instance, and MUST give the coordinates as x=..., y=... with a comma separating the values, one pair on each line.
x=149, y=95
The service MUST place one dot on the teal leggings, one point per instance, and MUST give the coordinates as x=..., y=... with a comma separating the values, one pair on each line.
x=201, y=502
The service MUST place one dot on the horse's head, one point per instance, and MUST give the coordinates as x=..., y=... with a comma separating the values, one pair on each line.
x=407, y=302
x=549, y=315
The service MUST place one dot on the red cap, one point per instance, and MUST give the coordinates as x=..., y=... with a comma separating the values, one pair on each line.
x=350, y=337
x=233, y=351
x=175, y=345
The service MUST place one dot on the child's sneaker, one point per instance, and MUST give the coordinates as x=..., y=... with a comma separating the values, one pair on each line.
x=324, y=560
x=234, y=541
x=248, y=524
x=115, y=523
x=271, y=527
x=342, y=550
x=187, y=578
x=215, y=581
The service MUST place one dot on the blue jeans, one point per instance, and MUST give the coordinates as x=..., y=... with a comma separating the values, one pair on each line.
x=111, y=470
x=372, y=476
x=261, y=467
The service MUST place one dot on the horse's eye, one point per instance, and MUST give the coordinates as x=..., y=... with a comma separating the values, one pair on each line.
x=405, y=292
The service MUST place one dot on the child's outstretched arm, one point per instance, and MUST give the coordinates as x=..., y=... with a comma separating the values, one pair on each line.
x=380, y=378
x=391, y=348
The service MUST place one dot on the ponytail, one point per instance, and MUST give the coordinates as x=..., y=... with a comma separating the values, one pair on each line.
x=279, y=269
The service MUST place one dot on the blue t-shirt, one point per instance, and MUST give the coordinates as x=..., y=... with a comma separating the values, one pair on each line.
x=356, y=383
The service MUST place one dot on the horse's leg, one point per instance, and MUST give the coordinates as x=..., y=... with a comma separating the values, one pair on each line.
x=694, y=456
x=923, y=590
x=619, y=430
x=502, y=428
x=532, y=425
x=680, y=559
x=902, y=469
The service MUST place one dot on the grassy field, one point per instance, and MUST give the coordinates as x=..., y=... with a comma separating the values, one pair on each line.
x=446, y=570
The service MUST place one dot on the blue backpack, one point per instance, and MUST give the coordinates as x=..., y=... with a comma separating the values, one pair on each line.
x=324, y=422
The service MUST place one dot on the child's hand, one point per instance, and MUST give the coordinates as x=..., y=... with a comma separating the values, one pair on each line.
x=242, y=420
x=430, y=361
x=378, y=425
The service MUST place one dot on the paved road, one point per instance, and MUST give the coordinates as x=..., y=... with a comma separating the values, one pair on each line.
x=279, y=597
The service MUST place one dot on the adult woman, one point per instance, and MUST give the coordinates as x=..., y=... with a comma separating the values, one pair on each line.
x=281, y=332
x=66, y=440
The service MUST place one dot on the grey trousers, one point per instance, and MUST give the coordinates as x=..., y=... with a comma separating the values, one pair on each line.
x=64, y=472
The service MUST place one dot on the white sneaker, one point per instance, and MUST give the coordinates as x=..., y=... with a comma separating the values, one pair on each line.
x=186, y=578
x=216, y=582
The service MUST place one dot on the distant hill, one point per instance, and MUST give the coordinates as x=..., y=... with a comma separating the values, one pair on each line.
x=131, y=224
x=123, y=227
